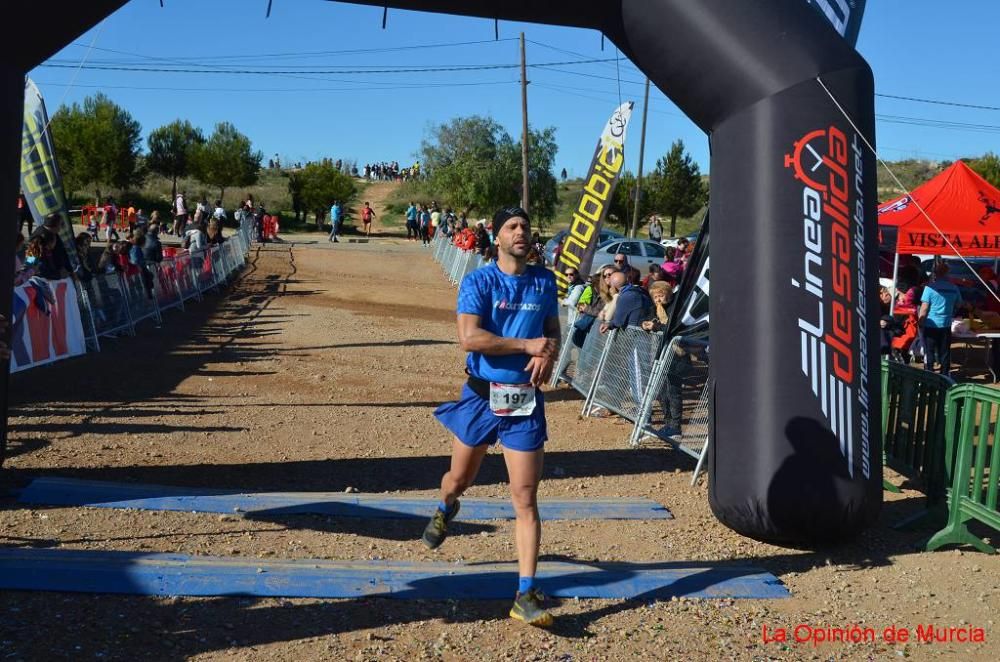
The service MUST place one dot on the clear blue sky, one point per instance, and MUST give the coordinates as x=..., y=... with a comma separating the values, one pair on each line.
x=918, y=48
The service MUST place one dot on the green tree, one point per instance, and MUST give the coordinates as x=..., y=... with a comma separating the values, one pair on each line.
x=172, y=149
x=226, y=159
x=988, y=167
x=623, y=200
x=97, y=145
x=676, y=185
x=295, y=185
x=476, y=165
x=321, y=184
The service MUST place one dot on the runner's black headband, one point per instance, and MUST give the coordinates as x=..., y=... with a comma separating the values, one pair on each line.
x=506, y=214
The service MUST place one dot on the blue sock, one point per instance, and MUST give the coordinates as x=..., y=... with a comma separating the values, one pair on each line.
x=443, y=507
x=525, y=584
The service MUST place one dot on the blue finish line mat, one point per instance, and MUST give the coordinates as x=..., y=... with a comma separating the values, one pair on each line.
x=73, y=492
x=177, y=574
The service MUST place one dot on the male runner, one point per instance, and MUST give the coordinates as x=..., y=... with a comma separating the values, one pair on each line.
x=508, y=323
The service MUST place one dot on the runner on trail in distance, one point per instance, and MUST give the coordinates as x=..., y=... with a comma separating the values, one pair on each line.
x=367, y=214
x=508, y=323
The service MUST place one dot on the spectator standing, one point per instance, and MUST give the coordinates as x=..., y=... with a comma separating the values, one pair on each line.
x=671, y=266
x=180, y=215
x=937, y=310
x=152, y=250
x=196, y=239
x=336, y=215
x=86, y=270
x=412, y=229
x=633, y=306
x=22, y=271
x=574, y=289
x=137, y=258
x=48, y=233
x=130, y=217
x=483, y=240
x=258, y=223
x=655, y=229
x=214, y=233
x=425, y=225
x=110, y=219
x=219, y=213
x=109, y=261
x=435, y=218
x=24, y=214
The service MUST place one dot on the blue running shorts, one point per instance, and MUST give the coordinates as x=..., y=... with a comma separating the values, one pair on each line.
x=473, y=422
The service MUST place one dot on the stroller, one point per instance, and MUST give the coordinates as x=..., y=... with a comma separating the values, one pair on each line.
x=902, y=344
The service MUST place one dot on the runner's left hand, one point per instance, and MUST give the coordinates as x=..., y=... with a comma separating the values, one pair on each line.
x=540, y=368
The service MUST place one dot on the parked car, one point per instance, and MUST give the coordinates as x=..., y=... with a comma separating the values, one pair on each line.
x=672, y=241
x=550, y=246
x=641, y=253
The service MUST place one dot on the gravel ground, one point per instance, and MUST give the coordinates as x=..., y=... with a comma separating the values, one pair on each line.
x=319, y=371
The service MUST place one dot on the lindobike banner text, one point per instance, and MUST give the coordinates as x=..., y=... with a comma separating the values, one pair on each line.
x=40, y=178
x=47, y=325
x=599, y=185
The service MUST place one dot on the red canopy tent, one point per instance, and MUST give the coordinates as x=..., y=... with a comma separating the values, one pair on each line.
x=965, y=207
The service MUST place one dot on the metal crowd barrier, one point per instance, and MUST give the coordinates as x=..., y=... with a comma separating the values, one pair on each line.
x=455, y=262
x=187, y=284
x=166, y=287
x=109, y=307
x=112, y=304
x=631, y=373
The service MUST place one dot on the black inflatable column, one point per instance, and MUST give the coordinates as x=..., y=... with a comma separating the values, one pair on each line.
x=11, y=121
x=796, y=454
x=795, y=344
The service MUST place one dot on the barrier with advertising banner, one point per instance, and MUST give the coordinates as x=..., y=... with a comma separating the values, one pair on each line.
x=46, y=323
x=59, y=319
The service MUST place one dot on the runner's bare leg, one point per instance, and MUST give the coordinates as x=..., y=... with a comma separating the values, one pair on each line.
x=465, y=463
x=525, y=471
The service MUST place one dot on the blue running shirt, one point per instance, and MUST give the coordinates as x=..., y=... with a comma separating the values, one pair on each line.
x=510, y=307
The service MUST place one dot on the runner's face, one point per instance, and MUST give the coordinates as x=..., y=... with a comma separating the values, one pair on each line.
x=514, y=237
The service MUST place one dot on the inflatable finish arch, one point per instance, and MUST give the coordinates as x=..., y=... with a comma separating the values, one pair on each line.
x=795, y=415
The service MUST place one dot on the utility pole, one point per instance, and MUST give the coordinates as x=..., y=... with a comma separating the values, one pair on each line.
x=642, y=150
x=524, y=128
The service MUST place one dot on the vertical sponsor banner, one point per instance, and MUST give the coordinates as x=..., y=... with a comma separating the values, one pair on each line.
x=46, y=325
x=40, y=178
x=598, y=187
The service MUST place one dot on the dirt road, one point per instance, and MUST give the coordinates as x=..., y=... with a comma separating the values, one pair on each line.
x=320, y=372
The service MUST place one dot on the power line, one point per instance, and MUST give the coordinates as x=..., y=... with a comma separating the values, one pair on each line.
x=383, y=70
x=938, y=102
x=938, y=124
x=402, y=86
x=305, y=54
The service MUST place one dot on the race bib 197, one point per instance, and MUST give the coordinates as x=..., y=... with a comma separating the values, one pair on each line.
x=512, y=399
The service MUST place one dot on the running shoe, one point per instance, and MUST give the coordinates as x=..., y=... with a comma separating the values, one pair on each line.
x=528, y=609
x=437, y=528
